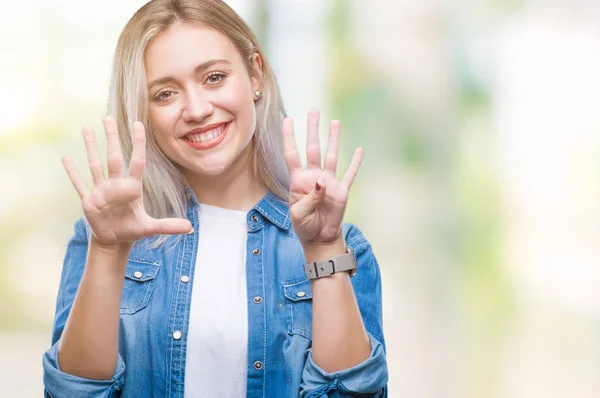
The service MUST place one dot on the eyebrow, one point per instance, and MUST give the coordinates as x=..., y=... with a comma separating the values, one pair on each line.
x=198, y=69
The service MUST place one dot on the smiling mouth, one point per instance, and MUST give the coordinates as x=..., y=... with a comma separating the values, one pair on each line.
x=209, y=135
x=208, y=139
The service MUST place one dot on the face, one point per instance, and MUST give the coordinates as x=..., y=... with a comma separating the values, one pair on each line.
x=201, y=97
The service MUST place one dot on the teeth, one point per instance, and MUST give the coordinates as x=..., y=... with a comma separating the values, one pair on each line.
x=209, y=135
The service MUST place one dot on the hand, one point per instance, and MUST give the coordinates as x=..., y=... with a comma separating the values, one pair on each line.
x=114, y=207
x=317, y=198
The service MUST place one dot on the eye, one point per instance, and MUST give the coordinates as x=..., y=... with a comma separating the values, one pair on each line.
x=164, y=95
x=215, y=77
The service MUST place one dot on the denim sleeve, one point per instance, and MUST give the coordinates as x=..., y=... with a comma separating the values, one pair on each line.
x=369, y=378
x=58, y=384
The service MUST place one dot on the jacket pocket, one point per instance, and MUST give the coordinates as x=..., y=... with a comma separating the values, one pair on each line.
x=299, y=307
x=138, y=286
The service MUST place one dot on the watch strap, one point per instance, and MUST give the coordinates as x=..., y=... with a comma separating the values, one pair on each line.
x=322, y=268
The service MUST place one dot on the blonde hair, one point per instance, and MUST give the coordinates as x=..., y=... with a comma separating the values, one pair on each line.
x=163, y=183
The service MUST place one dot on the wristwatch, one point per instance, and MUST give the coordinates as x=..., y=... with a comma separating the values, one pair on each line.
x=319, y=269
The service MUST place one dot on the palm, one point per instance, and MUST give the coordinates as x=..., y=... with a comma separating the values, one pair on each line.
x=114, y=207
x=317, y=215
x=115, y=211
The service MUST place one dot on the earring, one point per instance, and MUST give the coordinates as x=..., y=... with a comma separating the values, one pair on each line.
x=257, y=94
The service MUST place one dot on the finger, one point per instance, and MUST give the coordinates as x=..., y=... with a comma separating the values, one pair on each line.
x=168, y=226
x=353, y=168
x=113, y=148
x=96, y=168
x=138, y=156
x=331, y=157
x=313, y=148
x=290, y=151
x=307, y=205
x=76, y=180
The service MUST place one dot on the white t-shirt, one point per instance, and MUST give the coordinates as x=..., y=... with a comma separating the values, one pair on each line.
x=217, y=340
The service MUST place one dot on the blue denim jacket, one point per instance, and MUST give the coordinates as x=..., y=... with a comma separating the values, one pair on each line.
x=154, y=306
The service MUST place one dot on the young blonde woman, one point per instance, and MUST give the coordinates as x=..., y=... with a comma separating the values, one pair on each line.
x=209, y=263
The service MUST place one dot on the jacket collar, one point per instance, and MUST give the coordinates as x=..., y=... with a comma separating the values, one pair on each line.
x=271, y=207
x=274, y=209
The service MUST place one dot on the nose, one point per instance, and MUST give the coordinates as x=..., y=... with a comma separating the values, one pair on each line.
x=197, y=106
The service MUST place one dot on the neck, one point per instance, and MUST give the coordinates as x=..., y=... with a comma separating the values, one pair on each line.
x=235, y=189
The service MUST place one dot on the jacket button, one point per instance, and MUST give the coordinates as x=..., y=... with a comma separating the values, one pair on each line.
x=138, y=274
x=300, y=294
x=254, y=218
x=256, y=251
x=258, y=365
x=185, y=279
x=177, y=335
x=257, y=300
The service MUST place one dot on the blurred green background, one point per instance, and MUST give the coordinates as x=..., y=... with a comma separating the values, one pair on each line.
x=479, y=191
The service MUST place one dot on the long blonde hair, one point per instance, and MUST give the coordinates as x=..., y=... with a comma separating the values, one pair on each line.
x=163, y=183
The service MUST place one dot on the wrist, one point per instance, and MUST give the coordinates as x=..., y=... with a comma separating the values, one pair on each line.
x=107, y=263
x=117, y=248
x=118, y=253
x=316, y=251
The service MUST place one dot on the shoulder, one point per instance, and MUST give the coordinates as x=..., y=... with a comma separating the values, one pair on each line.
x=73, y=263
x=355, y=239
x=79, y=239
x=369, y=275
x=81, y=230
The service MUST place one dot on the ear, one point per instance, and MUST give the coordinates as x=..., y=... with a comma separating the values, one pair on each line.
x=257, y=71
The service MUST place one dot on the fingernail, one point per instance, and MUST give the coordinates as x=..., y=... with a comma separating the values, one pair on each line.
x=191, y=231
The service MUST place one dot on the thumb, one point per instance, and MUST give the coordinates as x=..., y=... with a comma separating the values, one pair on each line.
x=169, y=226
x=307, y=205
